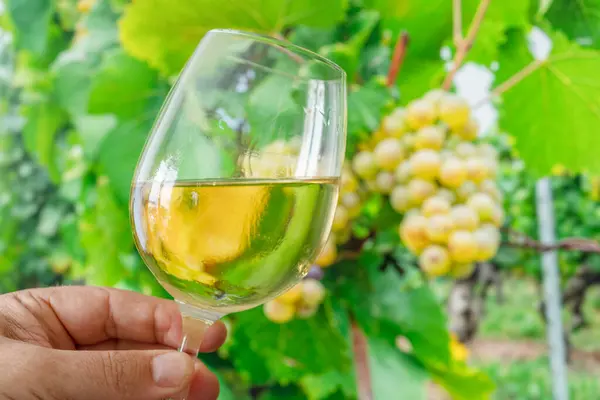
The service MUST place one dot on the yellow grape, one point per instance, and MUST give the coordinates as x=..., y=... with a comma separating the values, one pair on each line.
x=490, y=188
x=413, y=232
x=492, y=167
x=469, y=131
x=462, y=271
x=419, y=190
x=340, y=218
x=487, y=151
x=464, y=218
x=292, y=296
x=364, y=165
x=435, y=205
x=446, y=194
x=394, y=124
x=313, y=292
x=408, y=141
x=466, y=190
x=462, y=246
x=425, y=164
x=328, y=254
x=439, y=228
x=483, y=205
x=351, y=201
x=477, y=169
x=400, y=199
x=388, y=153
x=487, y=244
x=384, y=182
x=454, y=112
x=403, y=172
x=430, y=137
x=435, y=96
x=306, y=310
x=279, y=312
x=434, y=261
x=465, y=150
x=453, y=173
x=420, y=113
x=348, y=182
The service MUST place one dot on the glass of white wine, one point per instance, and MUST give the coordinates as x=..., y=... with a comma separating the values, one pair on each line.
x=234, y=193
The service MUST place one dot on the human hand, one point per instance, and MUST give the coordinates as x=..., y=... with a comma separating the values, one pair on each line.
x=98, y=343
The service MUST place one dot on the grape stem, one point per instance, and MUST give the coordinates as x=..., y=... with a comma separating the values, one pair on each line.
x=465, y=44
x=570, y=244
x=361, y=361
x=397, y=58
x=457, y=21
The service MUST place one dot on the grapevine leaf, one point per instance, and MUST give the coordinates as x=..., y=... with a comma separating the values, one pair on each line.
x=418, y=75
x=72, y=86
x=579, y=20
x=105, y=237
x=148, y=27
x=31, y=19
x=395, y=374
x=287, y=392
x=557, y=125
x=311, y=346
x=121, y=86
x=464, y=382
x=318, y=387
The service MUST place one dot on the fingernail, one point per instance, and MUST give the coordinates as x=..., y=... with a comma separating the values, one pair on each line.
x=170, y=369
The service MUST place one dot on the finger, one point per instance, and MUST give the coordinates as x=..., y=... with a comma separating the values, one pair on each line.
x=114, y=314
x=214, y=338
x=129, y=374
x=123, y=344
x=204, y=384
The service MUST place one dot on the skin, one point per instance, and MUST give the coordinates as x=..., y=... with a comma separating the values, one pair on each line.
x=97, y=343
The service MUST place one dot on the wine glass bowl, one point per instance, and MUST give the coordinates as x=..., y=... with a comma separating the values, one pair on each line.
x=234, y=193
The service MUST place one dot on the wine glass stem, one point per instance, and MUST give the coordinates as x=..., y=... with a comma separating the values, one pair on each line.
x=195, y=324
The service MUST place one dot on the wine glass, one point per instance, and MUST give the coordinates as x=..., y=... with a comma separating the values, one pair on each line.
x=234, y=193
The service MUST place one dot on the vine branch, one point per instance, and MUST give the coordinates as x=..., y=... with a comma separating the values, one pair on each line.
x=463, y=47
x=568, y=244
x=361, y=358
x=397, y=58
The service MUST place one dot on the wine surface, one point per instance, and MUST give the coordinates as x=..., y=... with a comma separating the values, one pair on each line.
x=233, y=244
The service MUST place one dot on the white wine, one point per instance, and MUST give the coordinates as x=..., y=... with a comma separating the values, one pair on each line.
x=230, y=245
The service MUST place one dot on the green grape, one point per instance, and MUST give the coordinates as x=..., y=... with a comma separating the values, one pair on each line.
x=439, y=228
x=388, y=154
x=292, y=296
x=477, y=169
x=462, y=246
x=328, y=254
x=446, y=194
x=453, y=173
x=419, y=190
x=313, y=292
x=305, y=311
x=420, y=113
x=435, y=261
x=462, y=271
x=384, y=182
x=430, y=137
x=466, y=190
x=454, y=112
x=425, y=164
x=466, y=150
x=364, y=165
x=413, y=233
x=340, y=218
x=435, y=205
x=403, y=172
x=487, y=244
x=483, y=205
x=351, y=201
x=279, y=312
x=394, y=124
x=469, y=131
x=400, y=199
x=464, y=218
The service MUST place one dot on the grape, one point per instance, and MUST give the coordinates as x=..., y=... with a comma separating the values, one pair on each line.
x=408, y=141
x=313, y=292
x=466, y=190
x=483, y=205
x=454, y=112
x=439, y=228
x=419, y=190
x=384, y=182
x=497, y=217
x=343, y=236
x=490, y=188
x=491, y=167
x=487, y=244
x=351, y=201
x=462, y=271
x=291, y=296
x=453, y=173
x=435, y=205
x=465, y=150
x=477, y=170
x=413, y=232
x=388, y=153
x=420, y=113
x=425, y=164
x=364, y=165
x=403, y=172
x=435, y=96
x=394, y=124
x=348, y=182
x=340, y=218
x=400, y=199
x=469, y=131
x=306, y=311
x=430, y=137
x=279, y=312
x=462, y=246
x=328, y=254
x=315, y=272
x=464, y=218
x=434, y=261
x=487, y=151
x=446, y=194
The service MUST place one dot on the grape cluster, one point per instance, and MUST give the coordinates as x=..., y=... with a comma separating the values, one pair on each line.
x=301, y=301
x=426, y=159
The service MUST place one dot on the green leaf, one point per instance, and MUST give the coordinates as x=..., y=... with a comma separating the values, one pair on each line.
x=31, y=19
x=418, y=75
x=558, y=124
x=105, y=237
x=72, y=86
x=464, y=382
x=165, y=33
x=395, y=375
x=318, y=387
x=290, y=351
x=579, y=20
x=278, y=393
x=121, y=86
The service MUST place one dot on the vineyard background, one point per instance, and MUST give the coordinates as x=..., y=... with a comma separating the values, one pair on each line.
x=82, y=81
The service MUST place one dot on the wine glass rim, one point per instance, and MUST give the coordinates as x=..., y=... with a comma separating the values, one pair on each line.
x=285, y=44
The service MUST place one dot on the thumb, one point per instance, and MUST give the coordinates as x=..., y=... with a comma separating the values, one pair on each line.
x=127, y=375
